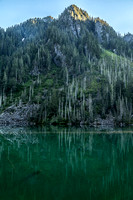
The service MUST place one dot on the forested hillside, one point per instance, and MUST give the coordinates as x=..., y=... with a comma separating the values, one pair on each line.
x=75, y=69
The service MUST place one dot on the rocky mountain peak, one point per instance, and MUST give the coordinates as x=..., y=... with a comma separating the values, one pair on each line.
x=71, y=17
x=77, y=13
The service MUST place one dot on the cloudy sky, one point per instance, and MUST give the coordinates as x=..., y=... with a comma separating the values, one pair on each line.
x=118, y=13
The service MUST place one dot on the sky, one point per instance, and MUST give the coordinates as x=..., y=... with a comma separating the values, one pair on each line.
x=118, y=13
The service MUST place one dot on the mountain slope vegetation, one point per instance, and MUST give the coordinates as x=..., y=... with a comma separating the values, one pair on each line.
x=75, y=69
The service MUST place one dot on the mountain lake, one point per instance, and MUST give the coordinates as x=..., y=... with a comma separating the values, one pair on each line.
x=58, y=163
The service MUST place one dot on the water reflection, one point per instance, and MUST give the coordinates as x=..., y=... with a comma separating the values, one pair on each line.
x=66, y=163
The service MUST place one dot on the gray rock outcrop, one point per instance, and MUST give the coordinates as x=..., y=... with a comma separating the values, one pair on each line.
x=18, y=115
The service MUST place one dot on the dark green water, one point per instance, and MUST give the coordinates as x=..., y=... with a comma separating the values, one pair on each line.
x=66, y=164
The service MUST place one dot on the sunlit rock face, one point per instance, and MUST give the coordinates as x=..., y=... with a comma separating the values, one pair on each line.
x=72, y=17
x=73, y=12
x=77, y=13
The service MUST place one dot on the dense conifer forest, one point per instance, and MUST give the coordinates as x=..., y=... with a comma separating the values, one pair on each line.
x=72, y=70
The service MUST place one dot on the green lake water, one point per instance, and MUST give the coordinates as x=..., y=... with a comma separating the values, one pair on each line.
x=51, y=163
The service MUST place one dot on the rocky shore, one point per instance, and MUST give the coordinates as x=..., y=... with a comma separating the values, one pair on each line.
x=18, y=115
